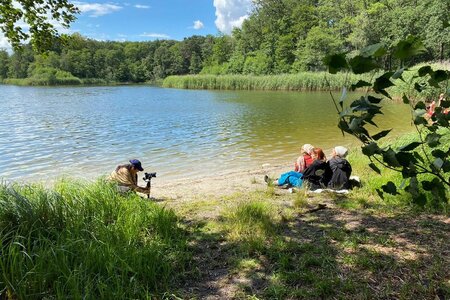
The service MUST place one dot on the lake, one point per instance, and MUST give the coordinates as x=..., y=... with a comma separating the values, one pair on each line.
x=84, y=132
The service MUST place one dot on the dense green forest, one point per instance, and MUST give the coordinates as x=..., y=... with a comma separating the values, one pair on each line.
x=279, y=37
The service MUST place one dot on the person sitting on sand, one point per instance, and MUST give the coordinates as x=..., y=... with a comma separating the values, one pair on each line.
x=295, y=179
x=126, y=177
x=318, y=174
x=340, y=168
x=305, y=159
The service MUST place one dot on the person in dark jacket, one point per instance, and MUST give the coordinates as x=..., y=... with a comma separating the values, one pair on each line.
x=340, y=168
x=318, y=174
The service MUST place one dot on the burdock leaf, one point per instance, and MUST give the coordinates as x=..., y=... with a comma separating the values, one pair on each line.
x=359, y=84
x=361, y=64
x=371, y=149
x=375, y=168
x=335, y=62
x=409, y=47
x=375, y=50
x=424, y=71
x=410, y=146
x=432, y=139
x=390, y=188
x=405, y=99
x=381, y=134
x=390, y=158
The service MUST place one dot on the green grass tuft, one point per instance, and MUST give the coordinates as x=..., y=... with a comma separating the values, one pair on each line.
x=86, y=241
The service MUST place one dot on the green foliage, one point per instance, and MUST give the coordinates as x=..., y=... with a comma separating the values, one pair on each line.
x=425, y=161
x=42, y=31
x=279, y=37
x=86, y=241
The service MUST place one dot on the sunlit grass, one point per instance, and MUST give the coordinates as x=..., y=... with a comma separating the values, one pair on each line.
x=86, y=241
x=305, y=81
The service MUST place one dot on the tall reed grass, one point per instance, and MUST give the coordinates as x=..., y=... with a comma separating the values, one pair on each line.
x=306, y=81
x=86, y=241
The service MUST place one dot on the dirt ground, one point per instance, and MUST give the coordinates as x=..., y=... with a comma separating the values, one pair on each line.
x=418, y=247
x=215, y=186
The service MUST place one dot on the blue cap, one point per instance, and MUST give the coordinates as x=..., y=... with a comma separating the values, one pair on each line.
x=137, y=164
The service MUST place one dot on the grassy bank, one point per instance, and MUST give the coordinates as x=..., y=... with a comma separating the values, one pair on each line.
x=306, y=81
x=271, y=244
x=303, y=81
x=86, y=241
x=32, y=81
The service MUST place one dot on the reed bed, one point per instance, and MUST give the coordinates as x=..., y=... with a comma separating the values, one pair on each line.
x=86, y=241
x=306, y=81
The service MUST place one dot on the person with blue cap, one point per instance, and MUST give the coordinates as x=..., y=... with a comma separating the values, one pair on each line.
x=126, y=177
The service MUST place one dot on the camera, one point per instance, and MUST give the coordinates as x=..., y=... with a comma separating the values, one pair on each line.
x=149, y=176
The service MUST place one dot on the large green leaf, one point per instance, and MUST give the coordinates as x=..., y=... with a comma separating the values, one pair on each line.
x=438, y=163
x=420, y=105
x=374, y=100
x=433, y=139
x=375, y=50
x=440, y=75
x=371, y=149
x=381, y=134
x=408, y=48
x=398, y=74
x=360, y=84
x=361, y=65
x=405, y=158
x=390, y=188
x=439, y=153
x=410, y=146
x=390, y=158
x=446, y=166
x=375, y=168
x=405, y=99
x=424, y=71
x=382, y=83
x=336, y=62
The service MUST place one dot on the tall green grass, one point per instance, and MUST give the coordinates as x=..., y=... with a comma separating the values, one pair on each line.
x=86, y=241
x=305, y=81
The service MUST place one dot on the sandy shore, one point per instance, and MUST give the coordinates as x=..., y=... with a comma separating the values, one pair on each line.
x=215, y=185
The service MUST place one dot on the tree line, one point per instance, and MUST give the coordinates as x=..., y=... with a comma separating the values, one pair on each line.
x=279, y=37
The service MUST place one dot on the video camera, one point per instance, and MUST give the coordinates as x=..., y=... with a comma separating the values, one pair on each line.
x=149, y=176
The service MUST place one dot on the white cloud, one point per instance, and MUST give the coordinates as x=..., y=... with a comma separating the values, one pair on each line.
x=155, y=35
x=142, y=6
x=198, y=25
x=97, y=9
x=231, y=13
x=4, y=43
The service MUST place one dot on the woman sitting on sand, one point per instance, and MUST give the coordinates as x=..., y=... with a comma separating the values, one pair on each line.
x=319, y=173
x=305, y=159
x=296, y=179
x=340, y=168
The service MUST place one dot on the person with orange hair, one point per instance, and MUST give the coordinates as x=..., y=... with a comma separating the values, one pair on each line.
x=314, y=171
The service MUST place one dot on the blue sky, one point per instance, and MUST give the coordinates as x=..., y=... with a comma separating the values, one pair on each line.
x=143, y=20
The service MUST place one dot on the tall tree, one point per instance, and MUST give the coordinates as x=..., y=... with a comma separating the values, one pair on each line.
x=4, y=62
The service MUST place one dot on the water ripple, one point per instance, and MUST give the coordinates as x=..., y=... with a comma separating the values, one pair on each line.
x=86, y=131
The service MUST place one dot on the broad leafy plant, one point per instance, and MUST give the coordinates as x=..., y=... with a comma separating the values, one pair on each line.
x=423, y=163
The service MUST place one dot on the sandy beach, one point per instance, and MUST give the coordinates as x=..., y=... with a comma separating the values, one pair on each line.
x=216, y=185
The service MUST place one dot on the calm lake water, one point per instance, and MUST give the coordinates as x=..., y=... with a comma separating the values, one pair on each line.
x=46, y=133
